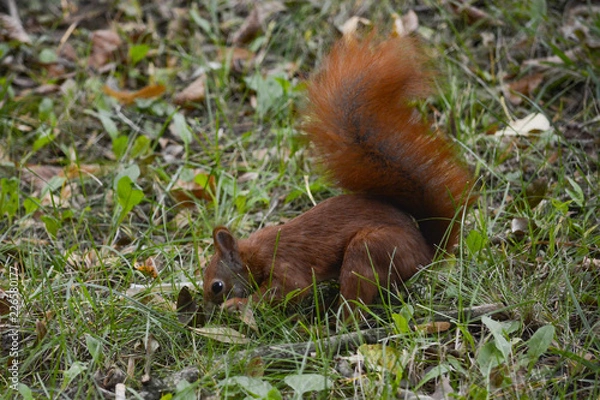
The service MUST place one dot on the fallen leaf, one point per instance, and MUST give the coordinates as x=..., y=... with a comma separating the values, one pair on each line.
x=536, y=191
x=188, y=311
x=473, y=14
x=406, y=24
x=255, y=21
x=434, y=327
x=533, y=123
x=519, y=227
x=590, y=264
x=195, y=92
x=202, y=187
x=578, y=19
x=12, y=29
x=247, y=317
x=237, y=57
x=249, y=29
x=105, y=44
x=39, y=175
x=222, y=334
x=40, y=330
x=256, y=367
x=443, y=389
x=549, y=62
x=147, y=267
x=349, y=28
x=380, y=357
x=128, y=97
x=523, y=87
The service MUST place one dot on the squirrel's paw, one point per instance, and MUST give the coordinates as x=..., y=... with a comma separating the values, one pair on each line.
x=235, y=304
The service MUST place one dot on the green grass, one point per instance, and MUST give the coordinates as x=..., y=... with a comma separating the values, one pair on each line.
x=71, y=245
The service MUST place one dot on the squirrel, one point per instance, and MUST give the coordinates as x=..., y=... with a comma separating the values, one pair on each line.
x=405, y=184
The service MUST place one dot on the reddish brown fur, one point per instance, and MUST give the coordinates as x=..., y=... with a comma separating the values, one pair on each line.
x=373, y=143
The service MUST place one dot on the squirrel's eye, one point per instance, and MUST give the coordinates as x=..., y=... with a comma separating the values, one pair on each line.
x=217, y=287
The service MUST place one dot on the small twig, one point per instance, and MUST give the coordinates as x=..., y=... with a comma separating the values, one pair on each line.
x=351, y=341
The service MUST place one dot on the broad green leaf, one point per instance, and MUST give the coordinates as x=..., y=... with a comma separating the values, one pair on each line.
x=253, y=386
x=489, y=357
x=48, y=56
x=132, y=171
x=434, y=373
x=9, y=197
x=54, y=184
x=51, y=224
x=73, y=372
x=539, y=343
x=180, y=127
x=307, y=383
x=201, y=22
x=45, y=137
x=94, y=347
x=138, y=52
x=128, y=196
x=576, y=193
x=46, y=109
x=140, y=147
x=25, y=391
x=475, y=242
x=31, y=204
x=400, y=323
x=497, y=329
x=109, y=125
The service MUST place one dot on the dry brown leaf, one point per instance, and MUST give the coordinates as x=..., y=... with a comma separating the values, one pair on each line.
x=40, y=330
x=12, y=29
x=473, y=14
x=255, y=21
x=434, y=327
x=238, y=58
x=127, y=97
x=524, y=86
x=256, y=367
x=39, y=175
x=147, y=267
x=188, y=311
x=105, y=44
x=186, y=192
x=249, y=29
x=195, y=92
x=247, y=317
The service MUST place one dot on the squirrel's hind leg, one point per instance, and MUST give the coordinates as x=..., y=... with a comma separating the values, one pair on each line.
x=378, y=257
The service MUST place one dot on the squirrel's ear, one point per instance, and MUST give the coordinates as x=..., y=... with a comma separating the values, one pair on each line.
x=224, y=240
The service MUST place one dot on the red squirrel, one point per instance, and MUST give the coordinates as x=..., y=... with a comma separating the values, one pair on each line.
x=406, y=186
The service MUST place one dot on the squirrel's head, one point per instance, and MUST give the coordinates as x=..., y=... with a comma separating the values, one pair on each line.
x=226, y=276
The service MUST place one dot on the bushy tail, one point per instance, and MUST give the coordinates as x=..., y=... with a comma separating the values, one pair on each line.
x=371, y=139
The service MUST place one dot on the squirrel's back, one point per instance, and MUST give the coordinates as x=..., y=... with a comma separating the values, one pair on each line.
x=361, y=118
